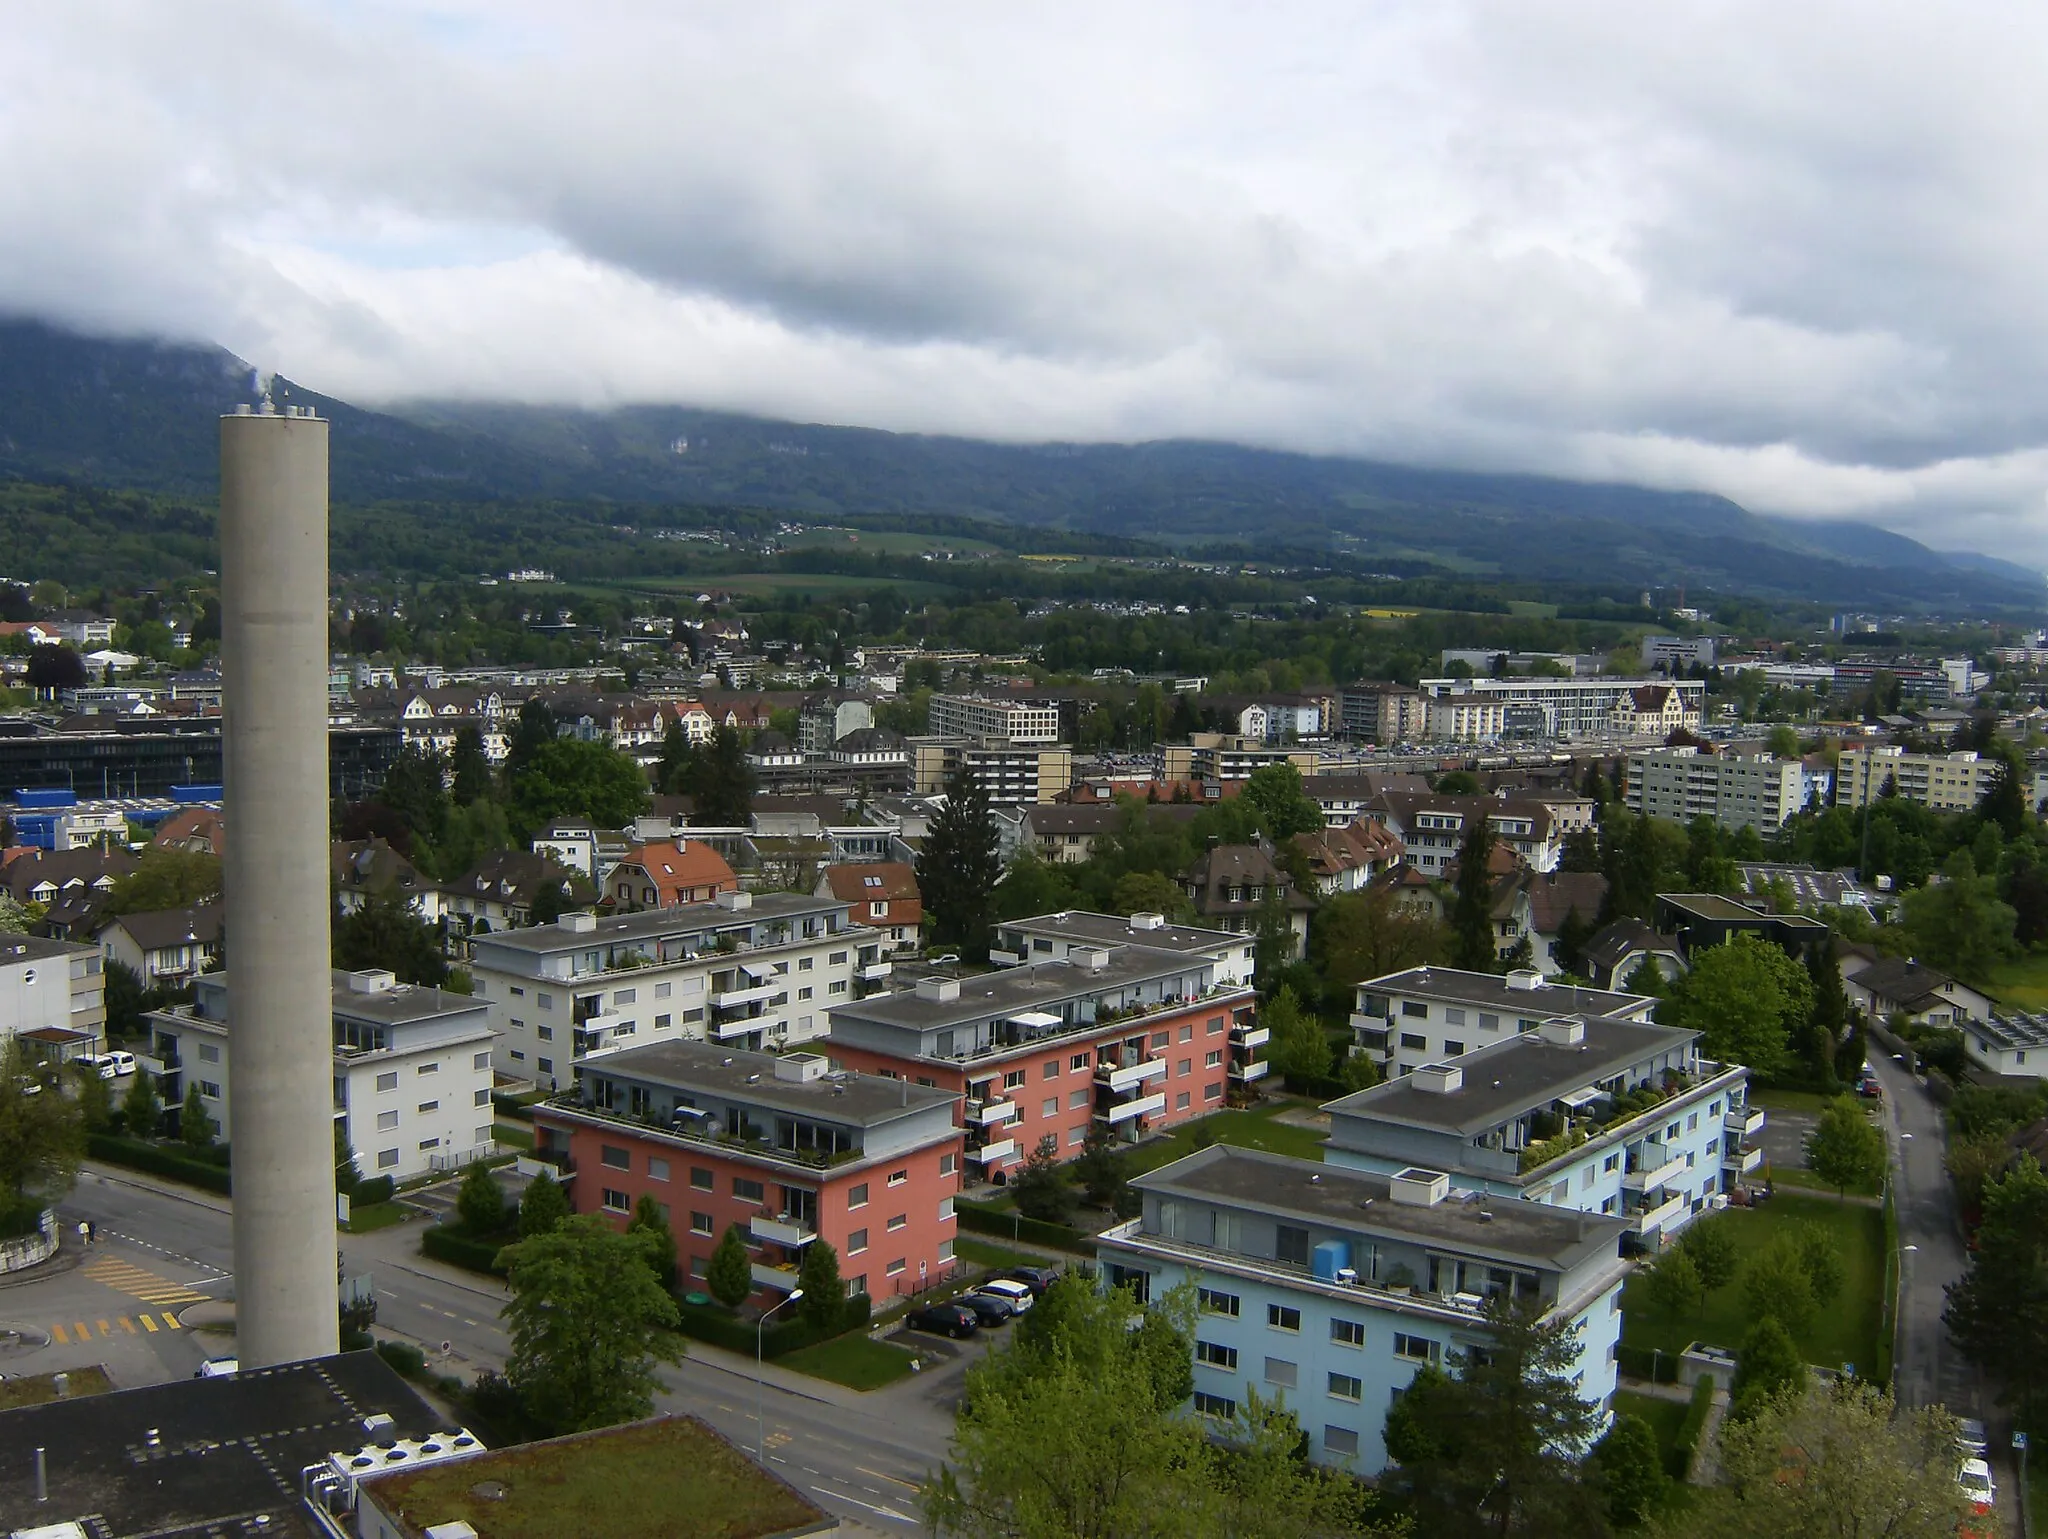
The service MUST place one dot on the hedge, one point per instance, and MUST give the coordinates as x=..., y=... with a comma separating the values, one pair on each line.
x=407, y=1359
x=720, y=1327
x=376, y=1189
x=983, y=1218
x=1642, y=1363
x=156, y=1160
x=1686, y=1446
x=512, y=1106
x=447, y=1242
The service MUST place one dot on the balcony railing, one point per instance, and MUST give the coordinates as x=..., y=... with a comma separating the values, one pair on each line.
x=690, y=1133
x=1144, y=1106
x=993, y=1153
x=1130, y=1077
x=1744, y=1122
x=1742, y=1158
x=1248, y=1072
x=1649, y=1174
x=871, y=972
x=789, y=1229
x=754, y=993
x=1649, y=1220
x=1255, y=1036
x=780, y=1279
x=991, y=1113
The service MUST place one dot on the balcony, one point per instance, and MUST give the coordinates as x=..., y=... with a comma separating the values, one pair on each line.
x=1144, y=1106
x=725, y=1031
x=788, y=1230
x=1249, y=1036
x=1649, y=1220
x=1121, y=1081
x=779, y=1279
x=995, y=1153
x=1743, y=1159
x=1005, y=958
x=1744, y=1122
x=991, y=1113
x=1652, y=1172
x=752, y=994
x=874, y=972
x=1247, y=1072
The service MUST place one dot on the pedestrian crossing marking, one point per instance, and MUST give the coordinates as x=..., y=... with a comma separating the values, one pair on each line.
x=58, y=1332
x=84, y=1330
x=106, y=1329
x=149, y=1324
x=138, y=1283
x=171, y=1320
x=127, y=1325
x=77, y=1332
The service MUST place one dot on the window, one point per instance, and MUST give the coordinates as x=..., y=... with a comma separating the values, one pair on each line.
x=547, y=1033
x=386, y=1158
x=388, y=1081
x=1076, y=1137
x=545, y=1001
x=1181, y=1101
x=838, y=986
x=700, y=1223
x=1454, y=1017
x=1415, y=1008
x=856, y=1242
x=1342, y=1441
x=1609, y=1165
x=1184, y=1068
x=1187, y=1032
x=657, y=1170
x=898, y=1222
x=387, y=1120
x=700, y=1267
x=1348, y=1333
x=748, y=1191
x=947, y=1164
x=1214, y=1060
x=481, y=1061
x=1209, y=1353
x=1014, y=1079
x=1210, y=1302
x=663, y=1022
x=1421, y=1348
x=945, y=1209
x=430, y=1068
x=480, y=1098
x=1079, y=1098
x=1489, y=1023
x=1290, y=1244
x=1692, y=1123
x=616, y=1201
x=429, y=1106
x=1078, y=1064
x=1413, y=1043
x=209, y=1053
x=1217, y=1406
x=857, y=1196
x=894, y=1268
x=1215, y=1027
x=547, y=1065
x=625, y=997
x=1282, y=1372
x=209, y=1089
x=898, y=1177
x=614, y=1156
x=1050, y=1107
x=804, y=993
x=838, y=959
x=1051, y=1070
x=1345, y=1386
x=661, y=990
x=1283, y=1317
x=1452, y=1049
x=700, y=1178
x=1212, y=1092
x=1159, y=1039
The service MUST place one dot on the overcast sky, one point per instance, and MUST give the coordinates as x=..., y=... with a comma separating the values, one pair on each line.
x=1790, y=253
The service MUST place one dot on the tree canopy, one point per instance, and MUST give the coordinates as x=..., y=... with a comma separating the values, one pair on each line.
x=958, y=868
x=1746, y=997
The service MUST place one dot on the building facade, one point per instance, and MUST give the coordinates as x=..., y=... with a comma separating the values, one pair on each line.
x=1427, y=1014
x=1012, y=774
x=1949, y=782
x=789, y=1148
x=1552, y=707
x=1735, y=790
x=53, y=993
x=975, y=716
x=1328, y=1289
x=1055, y=937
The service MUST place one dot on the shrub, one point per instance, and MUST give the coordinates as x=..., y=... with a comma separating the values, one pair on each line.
x=1686, y=1445
x=449, y=1243
x=980, y=1218
x=408, y=1360
x=173, y=1165
x=375, y=1189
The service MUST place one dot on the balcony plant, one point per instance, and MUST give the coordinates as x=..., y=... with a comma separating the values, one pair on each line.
x=1400, y=1278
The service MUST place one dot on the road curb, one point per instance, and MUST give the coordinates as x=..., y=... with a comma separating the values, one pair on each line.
x=161, y=1188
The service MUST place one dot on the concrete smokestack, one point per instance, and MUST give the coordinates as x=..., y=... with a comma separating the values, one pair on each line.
x=273, y=570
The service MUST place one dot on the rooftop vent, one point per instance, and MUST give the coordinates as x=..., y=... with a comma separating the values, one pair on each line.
x=1090, y=958
x=582, y=922
x=735, y=900
x=371, y=981
x=801, y=1068
x=1148, y=921
x=457, y=1529
x=1419, y=1188
x=1564, y=1031
x=1525, y=979
x=1438, y=1078
x=938, y=990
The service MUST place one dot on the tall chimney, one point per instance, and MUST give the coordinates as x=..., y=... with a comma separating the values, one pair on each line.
x=273, y=568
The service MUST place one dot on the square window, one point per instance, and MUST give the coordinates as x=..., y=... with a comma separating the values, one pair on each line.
x=1342, y=1441
x=615, y=1157
x=1211, y=1302
x=616, y=1201
x=657, y=1170
x=1077, y=1099
x=1013, y=1079
x=701, y=1223
x=1159, y=1039
x=1051, y=1070
x=547, y=1066
x=1283, y=1317
x=480, y=1098
x=1212, y=1092
x=748, y=1191
x=1281, y=1372
x=1076, y=1137
x=856, y=1242
x=1453, y=1049
x=1346, y=1386
x=857, y=1196
x=947, y=1164
x=1213, y=1355
x=701, y=1178
x=1181, y=1102
x=387, y=1159
x=898, y=1222
x=1187, y=1032
x=387, y=1081
x=387, y=1120
x=1050, y=1107
x=1348, y=1333
x=481, y=1060
x=1184, y=1068
x=1078, y=1064
x=1214, y=1405
x=1215, y=1025
x=1214, y=1060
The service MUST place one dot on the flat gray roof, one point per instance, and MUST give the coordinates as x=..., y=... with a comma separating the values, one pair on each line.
x=1493, y=991
x=651, y=924
x=394, y=1005
x=1355, y=1200
x=2021, y=1029
x=1012, y=990
x=1506, y=1078
x=1115, y=930
x=859, y=1100
x=1712, y=906
x=37, y=948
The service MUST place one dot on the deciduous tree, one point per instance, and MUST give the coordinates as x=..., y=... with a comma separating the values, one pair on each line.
x=730, y=1274
x=1768, y=1364
x=542, y=1206
x=1360, y=935
x=1711, y=1243
x=1746, y=997
x=1998, y=1311
x=1629, y=1471
x=1674, y=1283
x=651, y=1222
x=1298, y=1050
x=567, y=778
x=1774, y=1282
x=1040, y=1188
x=384, y=933
x=42, y=1135
x=1844, y=1148
x=166, y=878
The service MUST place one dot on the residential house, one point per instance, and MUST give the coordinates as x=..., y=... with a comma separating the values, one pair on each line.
x=1328, y=1289
x=199, y=830
x=788, y=1147
x=47, y=876
x=1347, y=798
x=668, y=873
x=746, y=970
x=1736, y=791
x=826, y=719
x=1708, y=919
x=571, y=844
x=1608, y=1114
x=1346, y=859
x=166, y=948
x=364, y=868
x=1533, y=907
x=412, y=1069
x=1412, y=891
x=1129, y=1038
x=882, y=895
x=498, y=893
x=1432, y=828
x=1613, y=955
x=1902, y=987
x=1055, y=937
x=52, y=996
x=1232, y=886
x=1947, y=782
x=1428, y=1014
x=2014, y=1045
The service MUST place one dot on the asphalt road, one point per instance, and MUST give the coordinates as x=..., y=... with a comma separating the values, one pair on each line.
x=862, y=1456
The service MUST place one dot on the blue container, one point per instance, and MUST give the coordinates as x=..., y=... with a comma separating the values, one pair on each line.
x=1328, y=1258
x=35, y=800
x=195, y=793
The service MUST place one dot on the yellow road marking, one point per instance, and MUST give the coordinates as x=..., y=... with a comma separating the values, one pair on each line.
x=84, y=1330
x=148, y=1324
x=172, y=1321
x=58, y=1332
x=105, y=1329
x=127, y=1325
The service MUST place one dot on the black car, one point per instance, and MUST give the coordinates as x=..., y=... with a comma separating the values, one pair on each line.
x=989, y=1308
x=1036, y=1278
x=944, y=1320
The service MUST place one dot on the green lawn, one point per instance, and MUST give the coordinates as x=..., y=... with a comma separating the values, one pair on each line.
x=1806, y=1180
x=2022, y=984
x=855, y=1360
x=512, y=1135
x=986, y=1254
x=375, y=1215
x=1254, y=1128
x=1664, y=1416
x=1844, y=1330
x=1790, y=1100
x=40, y=1388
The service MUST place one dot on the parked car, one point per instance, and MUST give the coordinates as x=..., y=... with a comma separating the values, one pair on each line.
x=1020, y=1295
x=1867, y=1085
x=218, y=1368
x=1036, y=1278
x=954, y=1320
x=1978, y=1486
x=989, y=1308
x=1970, y=1435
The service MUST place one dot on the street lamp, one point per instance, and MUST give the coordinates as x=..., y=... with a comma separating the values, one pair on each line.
x=760, y=1325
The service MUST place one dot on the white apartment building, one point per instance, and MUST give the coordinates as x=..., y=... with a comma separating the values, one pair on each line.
x=975, y=716
x=1054, y=937
x=1735, y=790
x=1678, y=651
x=1428, y=1014
x=1551, y=707
x=53, y=995
x=1950, y=782
x=1461, y=720
x=753, y=970
x=412, y=1069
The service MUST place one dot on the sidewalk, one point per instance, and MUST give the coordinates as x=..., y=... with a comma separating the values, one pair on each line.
x=120, y=1175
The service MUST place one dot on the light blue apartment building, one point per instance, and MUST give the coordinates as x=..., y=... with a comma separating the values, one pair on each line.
x=1605, y=1114
x=1328, y=1288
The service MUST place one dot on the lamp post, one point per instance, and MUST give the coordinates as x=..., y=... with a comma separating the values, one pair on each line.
x=760, y=1325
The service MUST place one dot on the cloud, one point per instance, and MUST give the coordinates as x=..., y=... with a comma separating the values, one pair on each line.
x=1782, y=253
